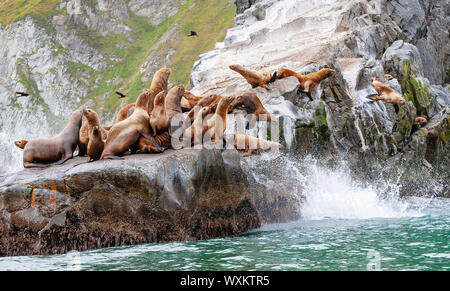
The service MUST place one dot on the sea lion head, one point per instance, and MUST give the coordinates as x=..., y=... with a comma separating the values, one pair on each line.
x=388, y=77
x=165, y=72
x=252, y=105
x=329, y=72
x=21, y=143
x=421, y=120
x=180, y=90
x=236, y=67
x=401, y=101
x=91, y=116
x=159, y=99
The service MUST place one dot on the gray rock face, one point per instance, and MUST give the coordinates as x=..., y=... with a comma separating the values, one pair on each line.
x=182, y=195
x=360, y=40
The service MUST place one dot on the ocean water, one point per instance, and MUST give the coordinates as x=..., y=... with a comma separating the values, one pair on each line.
x=343, y=226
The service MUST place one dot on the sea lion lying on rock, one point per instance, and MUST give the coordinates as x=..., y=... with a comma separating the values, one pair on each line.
x=58, y=149
x=250, y=143
x=386, y=94
x=125, y=134
x=21, y=143
x=309, y=82
x=255, y=78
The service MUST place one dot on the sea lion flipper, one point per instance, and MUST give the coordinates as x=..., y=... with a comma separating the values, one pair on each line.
x=148, y=137
x=63, y=161
x=274, y=77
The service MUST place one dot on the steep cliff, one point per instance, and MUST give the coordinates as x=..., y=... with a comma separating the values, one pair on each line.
x=360, y=39
x=69, y=54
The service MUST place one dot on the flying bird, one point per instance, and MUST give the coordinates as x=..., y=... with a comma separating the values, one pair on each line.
x=22, y=94
x=193, y=33
x=121, y=95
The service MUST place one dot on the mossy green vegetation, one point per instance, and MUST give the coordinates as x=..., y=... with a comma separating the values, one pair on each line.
x=126, y=53
x=415, y=91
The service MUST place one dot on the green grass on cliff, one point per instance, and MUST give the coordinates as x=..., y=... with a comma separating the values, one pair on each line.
x=209, y=18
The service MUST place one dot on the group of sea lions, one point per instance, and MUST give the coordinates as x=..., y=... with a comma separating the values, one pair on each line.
x=145, y=125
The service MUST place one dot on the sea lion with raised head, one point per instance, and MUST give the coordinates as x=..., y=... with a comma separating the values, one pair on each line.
x=386, y=93
x=21, y=143
x=58, y=149
x=97, y=135
x=124, y=134
x=217, y=124
x=189, y=100
x=255, y=78
x=309, y=82
x=249, y=144
x=159, y=84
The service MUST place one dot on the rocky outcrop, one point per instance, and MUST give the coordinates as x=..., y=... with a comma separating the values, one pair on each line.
x=360, y=40
x=182, y=195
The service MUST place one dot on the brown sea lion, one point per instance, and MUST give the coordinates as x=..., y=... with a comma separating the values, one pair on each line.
x=158, y=119
x=386, y=94
x=199, y=125
x=255, y=78
x=21, y=143
x=97, y=135
x=211, y=100
x=251, y=104
x=123, y=114
x=388, y=77
x=421, y=120
x=163, y=140
x=58, y=149
x=249, y=144
x=189, y=100
x=83, y=138
x=309, y=82
x=159, y=84
x=216, y=125
x=125, y=134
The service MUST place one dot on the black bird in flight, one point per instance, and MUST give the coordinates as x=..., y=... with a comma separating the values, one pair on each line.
x=22, y=94
x=121, y=95
x=193, y=33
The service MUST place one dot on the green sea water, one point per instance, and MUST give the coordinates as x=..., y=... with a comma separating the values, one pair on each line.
x=418, y=239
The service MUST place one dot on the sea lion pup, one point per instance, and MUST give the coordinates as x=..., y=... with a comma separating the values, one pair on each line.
x=97, y=135
x=309, y=82
x=58, y=149
x=189, y=100
x=386, y=94
x=21, y=143
x=421, y=120
x=251, y=143
x=211, y=100
x=251, y=104
x=255, y=78
x=124, y=134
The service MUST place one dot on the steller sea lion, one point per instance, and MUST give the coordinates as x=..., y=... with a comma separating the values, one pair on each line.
x=58, y=149
x=21, y=143
x=309, y=82
x=386, y=94
x=124, y=134
x=251, y=104
x=199, y=123
x=251, y=143
x=158, y=119
x=211, y=100
x=97, y=135
x=159, y=84
x=255, y=78
x=217, y=124
x=189, y=100
x=163, y=140
x=421, y=120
